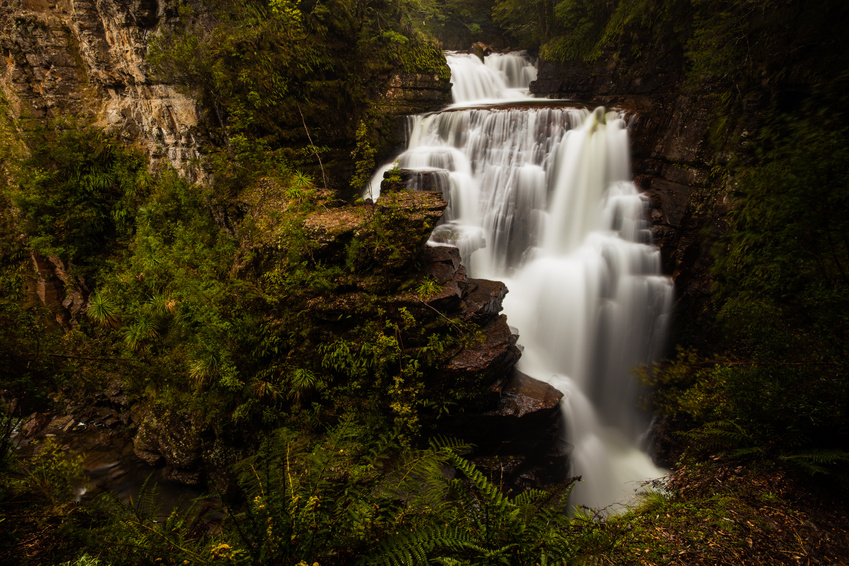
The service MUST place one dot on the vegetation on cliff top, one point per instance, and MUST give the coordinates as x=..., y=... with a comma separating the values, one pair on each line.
x=293, y=79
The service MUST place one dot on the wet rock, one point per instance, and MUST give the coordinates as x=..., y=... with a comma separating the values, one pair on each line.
x=59, y=425
x=414, y=93
x=176, y=437
x=150, y=458
x=414, y=180
x=393, y=231
x=480, y=49
x=520, y=438
x=483, y=299
x=523, y=395
x=492, y=358
x=442, y=264
x=333, y=229
x=187, y=477
x=34, y=424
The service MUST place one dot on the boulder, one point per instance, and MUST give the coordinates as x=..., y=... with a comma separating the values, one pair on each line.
x=415, y=93
x=520, y=438
x=480, y=49
x=483, y=298
x=523, y=395
x=491, y=358
x=175, y=437
x=442, y=264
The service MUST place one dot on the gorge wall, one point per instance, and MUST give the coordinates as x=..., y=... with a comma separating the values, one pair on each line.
x=86, y=59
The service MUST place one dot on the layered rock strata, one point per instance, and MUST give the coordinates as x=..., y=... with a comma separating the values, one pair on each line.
x=77, y=58
x=84, y=58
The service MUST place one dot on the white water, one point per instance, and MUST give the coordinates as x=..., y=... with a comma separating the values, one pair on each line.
x=501, y=76
x=541, y=198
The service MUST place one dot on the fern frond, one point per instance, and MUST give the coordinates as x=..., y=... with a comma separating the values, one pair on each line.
x=490, y=491
x=456, y=445
x=411, y=548
x=817, y=461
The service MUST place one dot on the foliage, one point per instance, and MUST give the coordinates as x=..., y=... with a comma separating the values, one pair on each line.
x=77, y=192
x=427, y=288
x=713, y=515
x=139, y=531
x=26, y=373
x=363, y=156
x=392, y=362
x=352, y=498
x=51, y=475
x=783, y=286
x=478, y=524
x=457, y=24
x=250, y=63
x=530, y=24
x=779, y=392
x=271, y=73
x=786, y=260
x=40, y=519
x=172, y=286
x=738, y=45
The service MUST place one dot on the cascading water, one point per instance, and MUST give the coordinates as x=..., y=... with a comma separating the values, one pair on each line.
x=502, y=76
x=540, y=197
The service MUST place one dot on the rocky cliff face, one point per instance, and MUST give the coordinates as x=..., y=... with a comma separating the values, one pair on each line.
x=86, y=58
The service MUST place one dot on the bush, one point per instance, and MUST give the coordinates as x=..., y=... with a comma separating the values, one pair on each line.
x=77, y=192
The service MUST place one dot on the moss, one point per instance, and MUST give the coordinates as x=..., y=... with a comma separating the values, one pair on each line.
x=424, y=58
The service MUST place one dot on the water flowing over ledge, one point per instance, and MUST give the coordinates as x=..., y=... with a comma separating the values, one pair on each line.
x=540, y=196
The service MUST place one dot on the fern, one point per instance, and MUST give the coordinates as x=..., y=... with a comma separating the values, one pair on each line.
x=411, y=548
x=141, y=532
x=486, y=526
x=817, y=461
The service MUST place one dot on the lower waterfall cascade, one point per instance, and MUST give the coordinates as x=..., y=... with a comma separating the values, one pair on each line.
x=540, y=196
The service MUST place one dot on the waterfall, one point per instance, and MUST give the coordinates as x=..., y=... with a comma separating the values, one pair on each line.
x=500, y=76
x=540, y=196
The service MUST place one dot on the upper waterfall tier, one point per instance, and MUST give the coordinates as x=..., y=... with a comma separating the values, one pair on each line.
x=500, y=76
